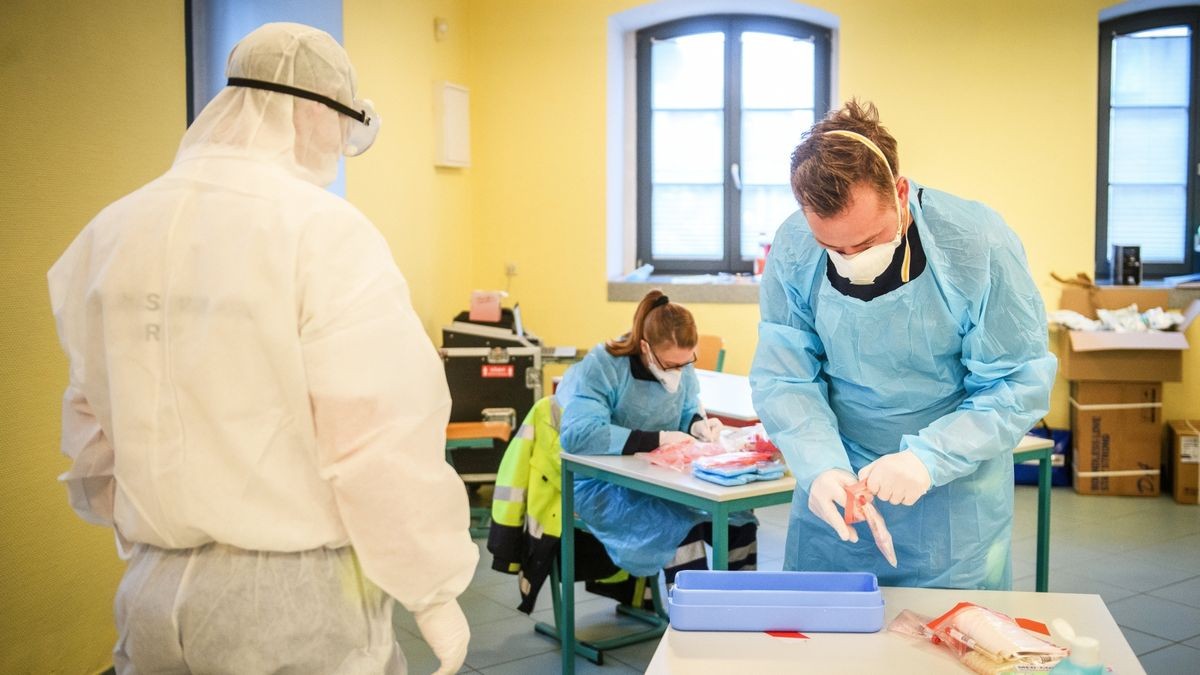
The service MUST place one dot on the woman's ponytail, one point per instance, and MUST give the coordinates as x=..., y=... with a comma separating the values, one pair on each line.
x=656, y=320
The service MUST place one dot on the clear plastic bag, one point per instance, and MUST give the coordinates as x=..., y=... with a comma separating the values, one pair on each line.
x=983, y=640
x=860, y=508
x=679, y=456
x=734, y=463
x=746, y=439
x=738, y=468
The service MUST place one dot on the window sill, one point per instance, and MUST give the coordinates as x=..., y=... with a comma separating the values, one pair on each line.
x=706, y=289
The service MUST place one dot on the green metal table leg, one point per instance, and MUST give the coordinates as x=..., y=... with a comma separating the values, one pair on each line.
x=720, y=539
x=1043, y=526
x=582, y=648
x=566, y=622
x=593, y=650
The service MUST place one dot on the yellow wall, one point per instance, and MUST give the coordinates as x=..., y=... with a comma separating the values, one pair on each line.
x=994, y=101
x=986, y=103
x=1181, y=400
x=80, y=128
x=423, y=211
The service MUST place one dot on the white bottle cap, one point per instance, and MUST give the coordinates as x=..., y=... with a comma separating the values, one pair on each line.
x=1085, y=652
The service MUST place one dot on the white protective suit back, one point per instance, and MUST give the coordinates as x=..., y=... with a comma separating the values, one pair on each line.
x=245, y=364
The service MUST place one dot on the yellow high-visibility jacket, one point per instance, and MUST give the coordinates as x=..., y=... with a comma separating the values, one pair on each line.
x=527, y=503
x=527, y=516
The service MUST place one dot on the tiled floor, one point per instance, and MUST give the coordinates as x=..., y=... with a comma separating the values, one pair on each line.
x=1141, y=555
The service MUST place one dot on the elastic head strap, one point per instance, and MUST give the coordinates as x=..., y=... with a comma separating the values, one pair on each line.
x=904, y=271
x=867, y=142
x=358, y=115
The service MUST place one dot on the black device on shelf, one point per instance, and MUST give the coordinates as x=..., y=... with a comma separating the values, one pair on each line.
x=1126, y=265
x=494, y=370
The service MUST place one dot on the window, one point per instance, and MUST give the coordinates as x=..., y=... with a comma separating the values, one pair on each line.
x=721, y=103
x=1147, y=161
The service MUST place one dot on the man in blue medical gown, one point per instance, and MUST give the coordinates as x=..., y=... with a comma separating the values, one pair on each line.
x=902, y=343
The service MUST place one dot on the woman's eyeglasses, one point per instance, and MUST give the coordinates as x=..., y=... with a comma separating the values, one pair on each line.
x=672, y=366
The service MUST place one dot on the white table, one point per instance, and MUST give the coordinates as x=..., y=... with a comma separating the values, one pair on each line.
x=637, y=474
x=707, y=653
x=726, y=395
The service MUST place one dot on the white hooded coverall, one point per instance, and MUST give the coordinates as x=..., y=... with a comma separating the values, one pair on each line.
x=253, y=404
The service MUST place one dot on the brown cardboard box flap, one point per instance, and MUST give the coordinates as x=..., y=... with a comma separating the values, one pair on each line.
x=1094, y=341
x=1087, y=300
x=1185, y=427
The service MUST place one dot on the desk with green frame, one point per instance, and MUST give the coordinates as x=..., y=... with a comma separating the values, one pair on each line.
x=637, y=474
x=1041, y=449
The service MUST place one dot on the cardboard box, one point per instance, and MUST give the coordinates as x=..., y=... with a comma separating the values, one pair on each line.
x=1087, y=300
x=1185, y=451
x=1105, y=356
x=1116, y=428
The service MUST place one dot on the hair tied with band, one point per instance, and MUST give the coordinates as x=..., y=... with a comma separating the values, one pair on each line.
x=662, y=300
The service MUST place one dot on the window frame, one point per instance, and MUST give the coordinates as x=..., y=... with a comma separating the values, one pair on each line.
x=730, y=24
x=1110, y=29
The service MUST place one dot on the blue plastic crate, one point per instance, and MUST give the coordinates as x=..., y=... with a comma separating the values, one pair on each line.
x=1026, y=473
x=812, y=602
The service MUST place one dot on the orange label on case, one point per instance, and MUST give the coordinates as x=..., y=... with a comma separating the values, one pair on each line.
x=1033, y=626
x=494, y=371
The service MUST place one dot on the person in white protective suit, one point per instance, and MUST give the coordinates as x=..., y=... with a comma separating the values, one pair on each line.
x=253, y=405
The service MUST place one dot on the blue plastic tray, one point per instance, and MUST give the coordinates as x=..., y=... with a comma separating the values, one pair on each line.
x=813, y=602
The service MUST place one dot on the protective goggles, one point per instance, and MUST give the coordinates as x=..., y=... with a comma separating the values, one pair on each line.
x=359, y=135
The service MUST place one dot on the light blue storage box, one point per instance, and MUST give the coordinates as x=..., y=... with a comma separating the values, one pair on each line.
x=812, y=602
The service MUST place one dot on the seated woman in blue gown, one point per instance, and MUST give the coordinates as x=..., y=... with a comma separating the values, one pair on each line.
x=634, y=394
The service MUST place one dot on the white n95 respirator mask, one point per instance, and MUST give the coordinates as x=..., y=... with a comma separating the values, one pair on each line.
x=363, y=126
x=669, y=379
x=865, y=266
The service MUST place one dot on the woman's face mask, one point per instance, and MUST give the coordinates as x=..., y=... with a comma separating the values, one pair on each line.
x=669, y=379
x=668, y=376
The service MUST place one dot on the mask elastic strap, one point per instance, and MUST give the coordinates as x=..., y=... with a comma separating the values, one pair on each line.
x=357, y=115
x=904, y=268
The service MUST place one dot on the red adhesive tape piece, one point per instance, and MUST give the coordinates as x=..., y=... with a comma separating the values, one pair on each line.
x=1034, y=626
x=786, y=634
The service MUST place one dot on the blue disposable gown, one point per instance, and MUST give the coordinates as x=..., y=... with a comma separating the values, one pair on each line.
x=952, y=365
x=602, y=402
